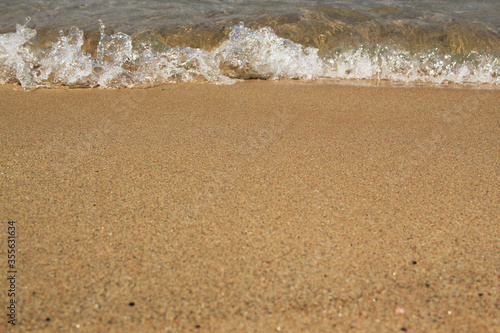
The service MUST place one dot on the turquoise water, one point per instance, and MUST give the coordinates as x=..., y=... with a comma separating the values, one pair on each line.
x=124, y=43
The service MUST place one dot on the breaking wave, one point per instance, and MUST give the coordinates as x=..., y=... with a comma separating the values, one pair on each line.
x=119, y=61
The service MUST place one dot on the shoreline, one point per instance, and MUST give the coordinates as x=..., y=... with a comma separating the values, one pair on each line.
x=318, y=81
x=259, y=206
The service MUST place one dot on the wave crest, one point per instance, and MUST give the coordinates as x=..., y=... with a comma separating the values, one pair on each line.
x=120, y=62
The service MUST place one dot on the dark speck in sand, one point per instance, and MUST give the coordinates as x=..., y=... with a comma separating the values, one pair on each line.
x=131, y=303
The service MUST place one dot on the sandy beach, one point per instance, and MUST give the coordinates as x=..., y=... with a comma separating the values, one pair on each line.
x=257, y=207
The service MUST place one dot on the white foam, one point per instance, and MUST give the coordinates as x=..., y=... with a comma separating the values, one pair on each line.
x=178, y=65
x=66, y=63
x=246, y=54
x=17, y=60
x=384, y=63
x=262, y=54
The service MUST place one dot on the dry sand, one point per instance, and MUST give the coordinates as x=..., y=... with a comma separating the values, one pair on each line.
x=258, y=207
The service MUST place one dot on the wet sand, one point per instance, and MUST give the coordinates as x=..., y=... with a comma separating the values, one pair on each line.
x=257, y=207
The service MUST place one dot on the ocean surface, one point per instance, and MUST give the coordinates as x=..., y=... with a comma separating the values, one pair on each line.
x=127, y=43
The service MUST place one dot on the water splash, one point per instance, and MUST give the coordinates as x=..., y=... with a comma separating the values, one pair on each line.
x=17, y=59
x=246, y=54
x=178, y=65
x=262, y=54
x=385, y=63
x=66, y=63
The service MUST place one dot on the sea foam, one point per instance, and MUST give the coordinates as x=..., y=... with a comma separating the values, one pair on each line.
x=246, y=54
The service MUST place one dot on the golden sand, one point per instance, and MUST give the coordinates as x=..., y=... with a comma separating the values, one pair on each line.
x=257, y=207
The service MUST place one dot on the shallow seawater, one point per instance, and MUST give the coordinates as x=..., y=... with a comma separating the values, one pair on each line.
x=125, y=43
